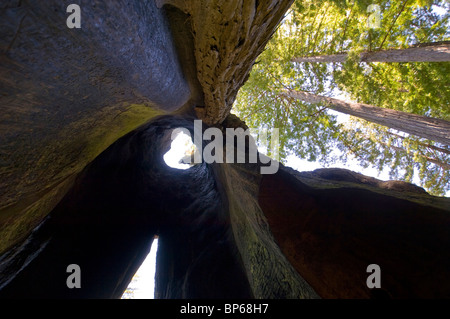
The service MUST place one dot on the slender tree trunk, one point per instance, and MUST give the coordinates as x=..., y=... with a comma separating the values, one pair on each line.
x=429, y=159
x=439, y=52
x=433, y=147
x=427, y=127
x=436, y=162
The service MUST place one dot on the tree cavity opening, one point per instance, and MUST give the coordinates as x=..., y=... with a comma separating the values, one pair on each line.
x=142, y=286
x=182, y=150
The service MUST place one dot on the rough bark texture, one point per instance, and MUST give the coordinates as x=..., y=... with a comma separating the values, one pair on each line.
x=270, y=273
x=430, y=53
x=228, y=37
x=95, y=84
x=427, y=127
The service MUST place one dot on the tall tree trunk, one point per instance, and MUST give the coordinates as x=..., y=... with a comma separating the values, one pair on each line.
x=439, y=52
x=427, y=127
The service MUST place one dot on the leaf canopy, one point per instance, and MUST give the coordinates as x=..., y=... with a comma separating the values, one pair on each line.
x=311, y=131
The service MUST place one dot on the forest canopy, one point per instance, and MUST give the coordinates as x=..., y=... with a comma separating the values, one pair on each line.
x=302, y=56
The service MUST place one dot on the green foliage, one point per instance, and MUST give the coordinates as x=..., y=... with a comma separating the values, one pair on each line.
x=420, y=88
x=311, y=132
x=404, y=156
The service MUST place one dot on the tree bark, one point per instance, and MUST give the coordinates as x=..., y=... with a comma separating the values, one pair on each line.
x=427, y=127
x=439, y=52
x=228, y=36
